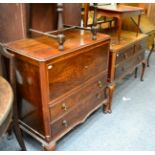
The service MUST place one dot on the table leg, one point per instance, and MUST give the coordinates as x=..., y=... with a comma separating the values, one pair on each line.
x=143, y=70
x=151, y=50
x=138, y=26
x=119, y=24
x=136, y=69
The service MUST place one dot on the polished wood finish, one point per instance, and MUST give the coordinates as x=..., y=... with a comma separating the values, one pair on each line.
x=119, y=12
x=58, y=90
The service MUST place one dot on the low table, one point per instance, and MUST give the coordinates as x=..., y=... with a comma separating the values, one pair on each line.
x=6, y=101
x=120, y=12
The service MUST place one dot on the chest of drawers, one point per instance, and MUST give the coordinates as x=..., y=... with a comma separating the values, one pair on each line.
x=126, y=56
x=57, y=90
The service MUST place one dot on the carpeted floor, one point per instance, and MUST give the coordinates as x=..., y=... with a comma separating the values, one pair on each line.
x=131, y=126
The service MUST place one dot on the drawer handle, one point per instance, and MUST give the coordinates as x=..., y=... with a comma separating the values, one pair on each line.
x=100, y=84
x=98, y=96
x=50, y=67
x=86, y=67
x=65, y=123
x=64, y=106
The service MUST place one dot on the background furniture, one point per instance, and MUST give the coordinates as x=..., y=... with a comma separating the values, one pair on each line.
x=58, y=90
x=146, y=27
x=126, y=56
x=7, y=61
x=6, y=100
x=17, y=18
x=119, y=12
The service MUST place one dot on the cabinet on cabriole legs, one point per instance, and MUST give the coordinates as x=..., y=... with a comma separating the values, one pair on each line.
x=126, y=56
x=57, y=90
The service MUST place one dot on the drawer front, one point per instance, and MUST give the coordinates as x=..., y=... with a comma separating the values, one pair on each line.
x=130, y=64
x=140, y=46
x=78, y=114
x=64, y=106
x=68, y=73
x=124, y=54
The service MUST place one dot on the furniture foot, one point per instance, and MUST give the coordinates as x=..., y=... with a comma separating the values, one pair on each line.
x=49, y=147
x=148, y=58
x=136, y=69
x=143, y=70
x=107, y=108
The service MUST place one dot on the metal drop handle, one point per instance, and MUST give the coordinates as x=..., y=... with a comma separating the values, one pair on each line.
x=64, y=106
x=65, y=123
x=100, y=84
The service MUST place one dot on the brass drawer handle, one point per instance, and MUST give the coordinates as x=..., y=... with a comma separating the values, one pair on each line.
x=65, y=123
x=86, y=67
x=100, y=84
x=64, y=106
x=50, y=67
x=98, y=96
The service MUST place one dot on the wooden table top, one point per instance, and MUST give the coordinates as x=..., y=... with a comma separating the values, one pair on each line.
x=127, y=38
x=6, y=99
x=44, y=48
x=120, y=8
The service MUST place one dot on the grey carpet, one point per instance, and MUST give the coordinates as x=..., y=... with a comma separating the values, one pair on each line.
x=131, y=126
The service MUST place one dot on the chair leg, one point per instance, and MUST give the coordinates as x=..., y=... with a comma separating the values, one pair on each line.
x=143, y=70
x=148, y=58
x=16, y=127
x=18, y=135
x=136, y=69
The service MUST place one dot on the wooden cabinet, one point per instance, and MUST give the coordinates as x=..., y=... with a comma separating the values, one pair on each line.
x=126, y=56
x=58, y=90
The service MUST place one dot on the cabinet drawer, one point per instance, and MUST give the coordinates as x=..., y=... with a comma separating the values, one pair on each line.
x=73, y=71
x=124, y=54
x=140, y=46
x=78, y=114
x=127, y=66
x=64, y=106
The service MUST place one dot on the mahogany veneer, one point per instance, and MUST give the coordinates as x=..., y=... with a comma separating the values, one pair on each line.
x=58, y=90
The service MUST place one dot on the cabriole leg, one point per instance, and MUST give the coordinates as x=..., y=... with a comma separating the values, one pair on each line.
x=148, y=58
x=143, y=70
x=107, y=108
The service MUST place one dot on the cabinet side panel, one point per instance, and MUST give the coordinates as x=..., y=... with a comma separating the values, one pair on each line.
x=29, y=95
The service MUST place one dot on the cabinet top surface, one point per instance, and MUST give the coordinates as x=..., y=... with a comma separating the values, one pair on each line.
x=127, y=38
x=44, y=48
x=120, y=8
